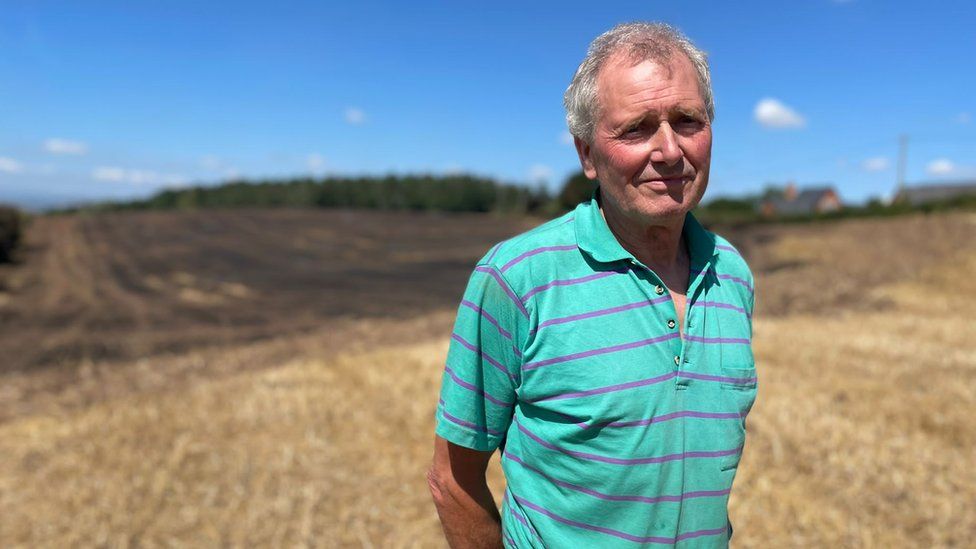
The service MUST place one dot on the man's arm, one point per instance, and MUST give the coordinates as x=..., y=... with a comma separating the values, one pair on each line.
x=464, y=502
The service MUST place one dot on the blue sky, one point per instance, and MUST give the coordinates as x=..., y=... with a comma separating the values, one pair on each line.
x=120, y=99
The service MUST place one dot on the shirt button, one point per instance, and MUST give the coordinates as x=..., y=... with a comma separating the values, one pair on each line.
x=659, y=289
x=671, y=323
x=677, y=360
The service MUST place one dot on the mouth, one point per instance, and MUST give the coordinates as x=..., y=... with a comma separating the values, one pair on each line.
x=666, y=182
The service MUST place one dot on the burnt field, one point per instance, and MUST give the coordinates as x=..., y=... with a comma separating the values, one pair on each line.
x=94, y=294
x=128, y=285
x=184, y=378
x=123, y=286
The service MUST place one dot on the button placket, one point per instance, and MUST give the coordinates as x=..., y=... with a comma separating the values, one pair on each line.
x=677, y=346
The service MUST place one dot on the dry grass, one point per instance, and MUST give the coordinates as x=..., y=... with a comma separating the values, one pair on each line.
x=863, y=434
x=323, y=453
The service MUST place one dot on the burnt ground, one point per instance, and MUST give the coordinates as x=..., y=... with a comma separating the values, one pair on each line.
x=129, y=285
x=119, y=293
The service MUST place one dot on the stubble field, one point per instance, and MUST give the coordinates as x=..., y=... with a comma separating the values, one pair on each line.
x=269, y=378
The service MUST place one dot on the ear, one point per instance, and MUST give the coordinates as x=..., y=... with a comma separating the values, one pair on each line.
x=583, y=149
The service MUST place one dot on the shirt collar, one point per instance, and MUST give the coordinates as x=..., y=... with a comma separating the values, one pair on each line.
x=594, y=237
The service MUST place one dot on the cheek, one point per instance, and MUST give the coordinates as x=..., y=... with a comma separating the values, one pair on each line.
x=699, y=151
x=628, y=159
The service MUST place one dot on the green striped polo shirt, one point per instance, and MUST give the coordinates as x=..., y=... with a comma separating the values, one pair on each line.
x=615, y=429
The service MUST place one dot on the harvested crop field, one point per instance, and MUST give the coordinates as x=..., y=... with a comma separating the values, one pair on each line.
x=223, y=378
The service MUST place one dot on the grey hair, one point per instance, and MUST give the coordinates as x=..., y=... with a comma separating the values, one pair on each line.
x=641, y=41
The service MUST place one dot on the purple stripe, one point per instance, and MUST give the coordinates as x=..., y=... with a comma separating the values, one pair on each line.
x=569, y=282
x=536, y=251
x=600, y=351
x=493, y=252
x=717, y=305
x=487, y=317
x=603, y=312
x=610, y=497
x=723, y=379
x=508, y=540
x=573, y=419
x=518, y=516
x=631, y=461
x=728, y=249
x=735, y=279
x=610, y=388
x=504, y=285
x=482, y=354
x=616, y=533
x=700, y=533
x=710, y=340
x=668, y=417
x=475, y=389
x=468, y=424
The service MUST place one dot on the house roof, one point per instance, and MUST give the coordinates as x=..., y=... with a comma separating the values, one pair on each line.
x=925, y=194
x=804, y=203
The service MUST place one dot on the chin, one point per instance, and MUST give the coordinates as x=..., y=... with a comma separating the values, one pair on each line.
x=659, y=211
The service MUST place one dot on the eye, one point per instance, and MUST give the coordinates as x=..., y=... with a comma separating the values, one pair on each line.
x=688, y=123
x=631, y=131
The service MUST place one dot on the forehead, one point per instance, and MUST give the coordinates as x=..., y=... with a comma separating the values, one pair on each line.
x=626, y=87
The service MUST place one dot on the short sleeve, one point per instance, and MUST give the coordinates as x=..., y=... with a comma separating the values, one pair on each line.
x=752, y=300
x=481, y=376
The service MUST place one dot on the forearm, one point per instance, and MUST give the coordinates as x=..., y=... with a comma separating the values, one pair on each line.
x=468, y=515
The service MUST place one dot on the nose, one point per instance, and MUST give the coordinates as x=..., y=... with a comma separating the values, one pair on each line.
x=664, y=146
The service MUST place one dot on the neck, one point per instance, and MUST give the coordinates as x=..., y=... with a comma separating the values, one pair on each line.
x=657, y=244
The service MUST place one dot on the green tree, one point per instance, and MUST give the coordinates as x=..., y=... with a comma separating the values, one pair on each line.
x=577, y=188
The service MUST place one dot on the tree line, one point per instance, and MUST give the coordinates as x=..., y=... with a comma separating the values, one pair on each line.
x=448, y=193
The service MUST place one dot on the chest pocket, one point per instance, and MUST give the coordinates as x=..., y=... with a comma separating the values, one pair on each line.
x=740, y=385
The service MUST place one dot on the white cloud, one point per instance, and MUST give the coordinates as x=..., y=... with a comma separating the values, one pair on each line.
x=109, y=173
x=355, y=116
x=771, y=113
x=315, y=162
x=566, y=138
x=876, y=164
x=142, y=177
x=540, y=173
x=211, y=162
x=963, y=118
x=56, y=145
x=115, y=174
x=9, y=165
x=940, y=166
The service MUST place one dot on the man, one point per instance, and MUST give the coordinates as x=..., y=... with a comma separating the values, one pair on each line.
x=607, y=352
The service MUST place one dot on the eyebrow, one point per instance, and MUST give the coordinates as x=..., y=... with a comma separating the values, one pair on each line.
x=639, y=118
x=691, y=111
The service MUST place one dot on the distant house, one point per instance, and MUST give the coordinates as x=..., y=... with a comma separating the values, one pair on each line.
x=927, y=194
x=791, y=201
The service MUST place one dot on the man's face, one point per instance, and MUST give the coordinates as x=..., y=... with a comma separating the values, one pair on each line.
x=652, y=141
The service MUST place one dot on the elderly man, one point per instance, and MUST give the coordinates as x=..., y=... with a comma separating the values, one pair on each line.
x=607, y=352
